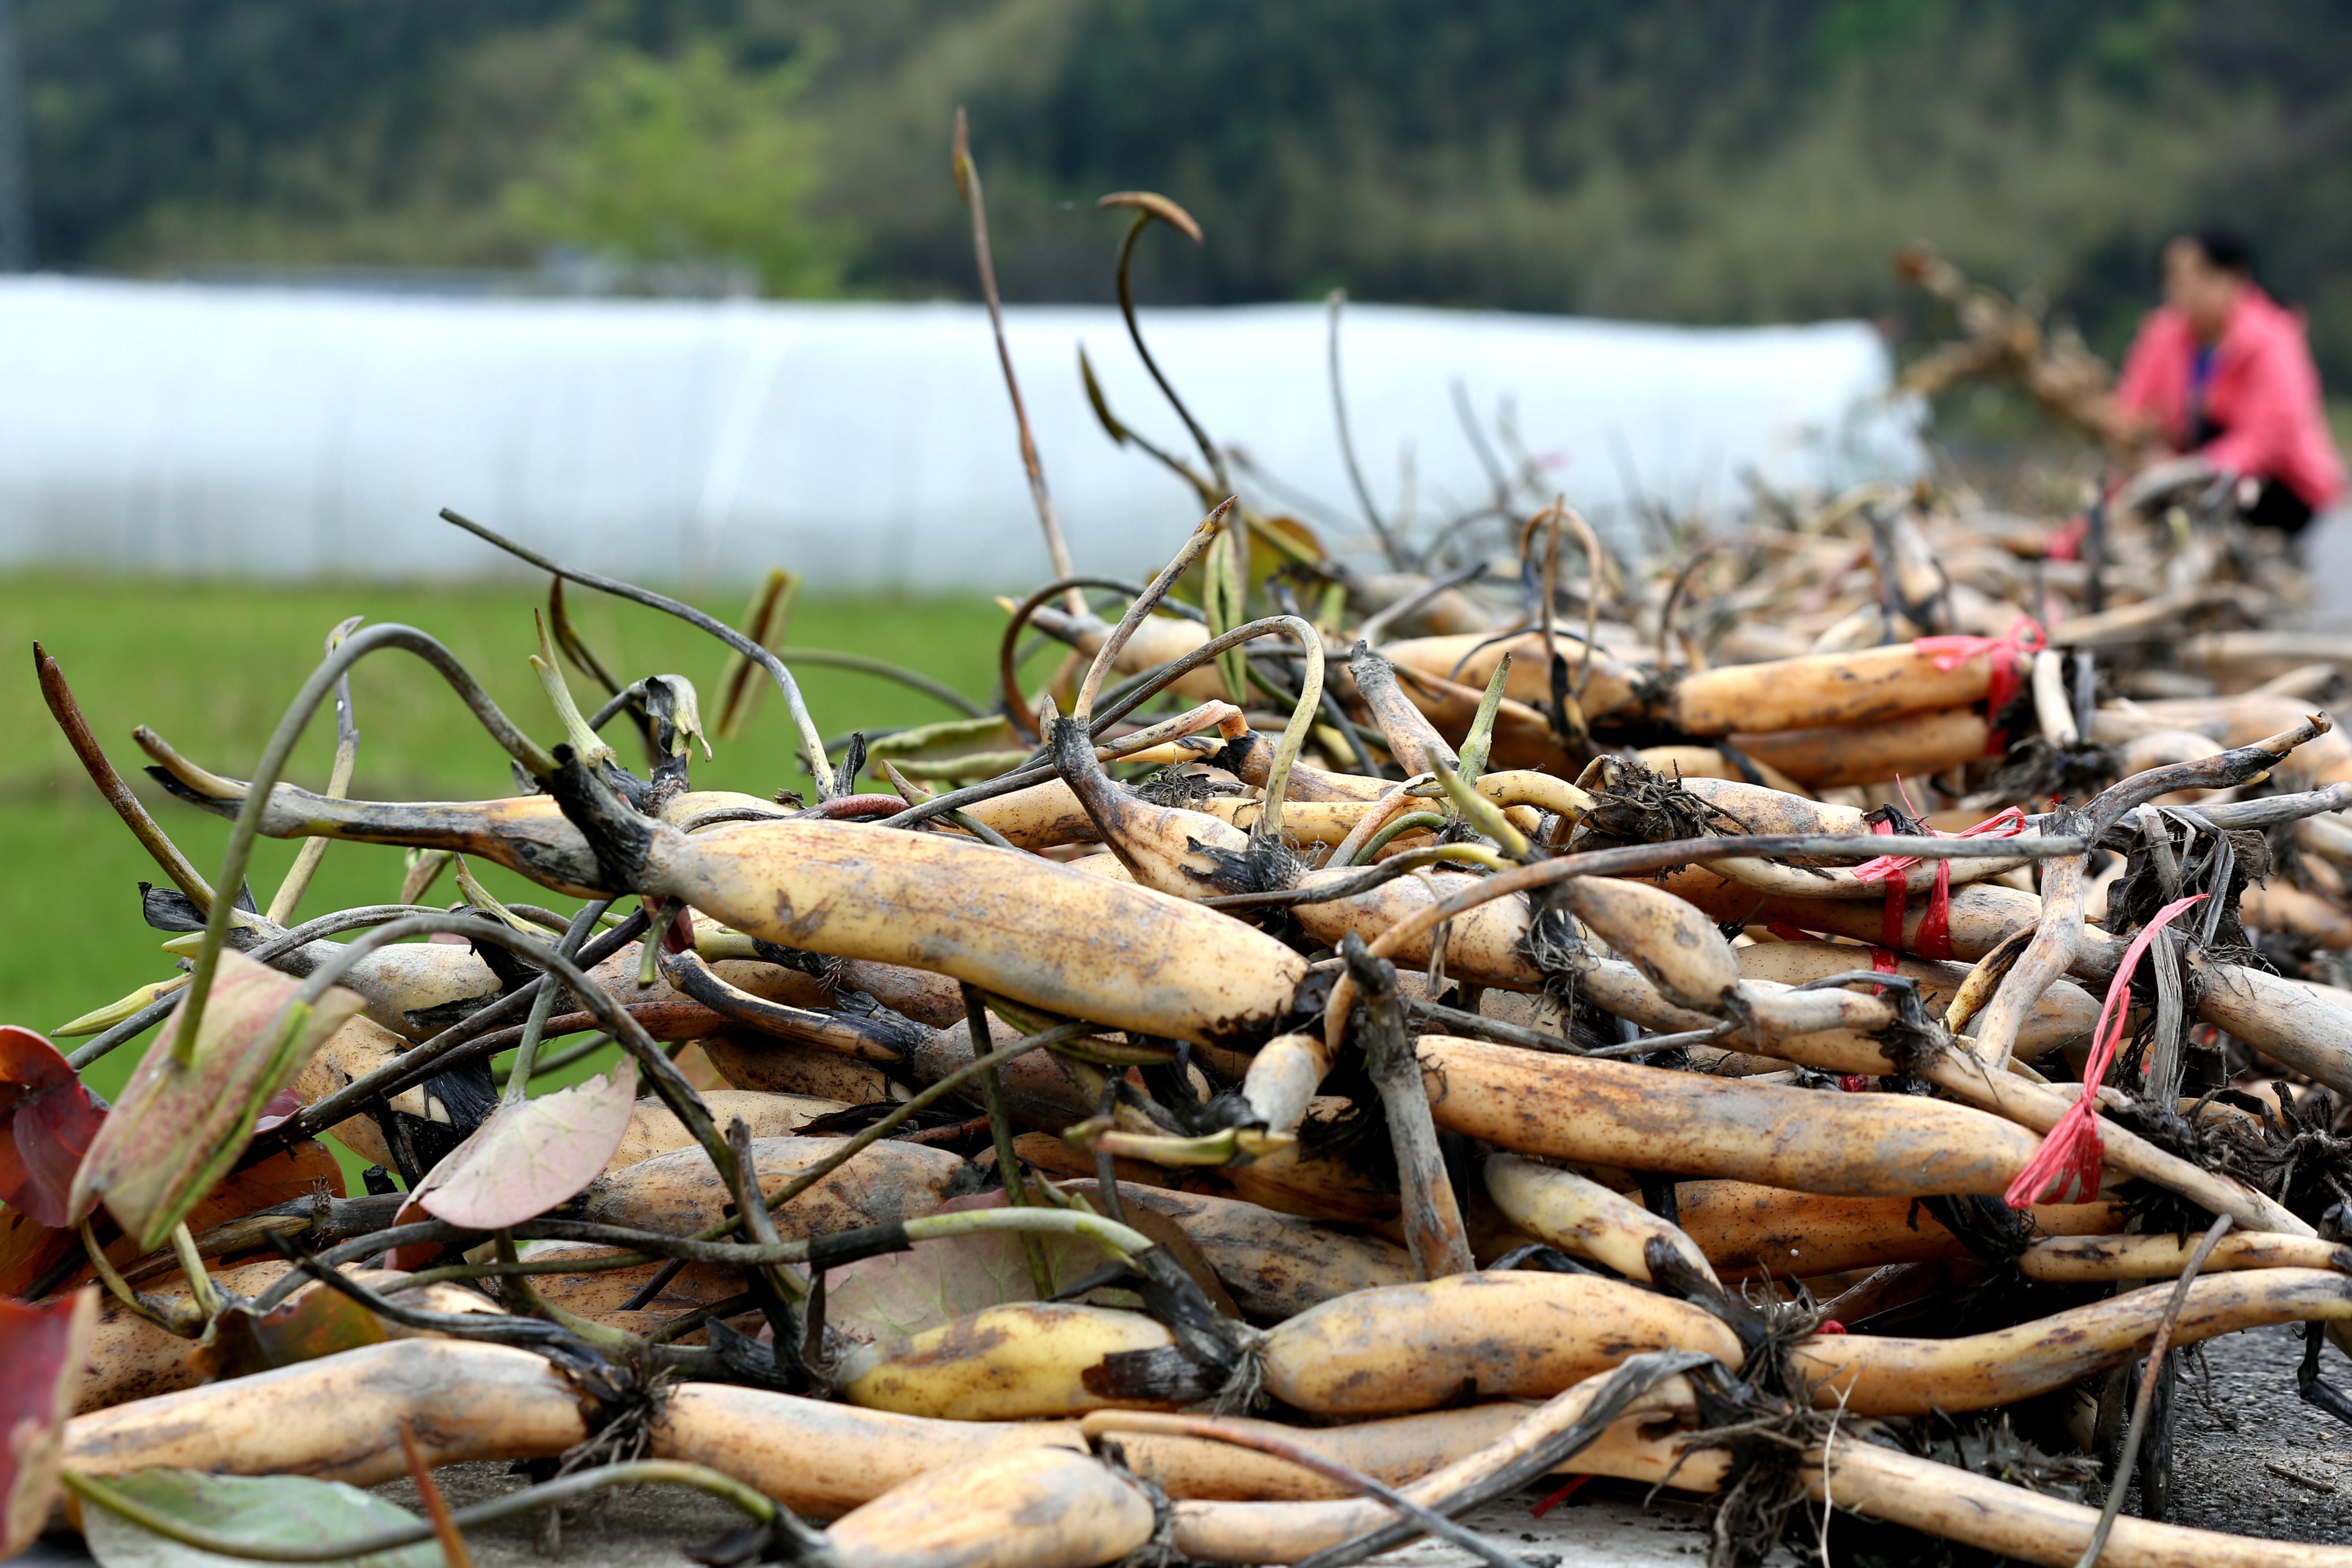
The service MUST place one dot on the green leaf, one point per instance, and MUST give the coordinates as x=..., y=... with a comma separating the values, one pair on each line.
x=42, y=1352
x=275, y=1510
x=947, y=739
x=533, y=1154
x=178, y=1130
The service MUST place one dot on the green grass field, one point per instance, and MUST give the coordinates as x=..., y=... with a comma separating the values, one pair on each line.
x=211, y=668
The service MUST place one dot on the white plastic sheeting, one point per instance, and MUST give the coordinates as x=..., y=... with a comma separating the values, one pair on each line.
x=187, y=429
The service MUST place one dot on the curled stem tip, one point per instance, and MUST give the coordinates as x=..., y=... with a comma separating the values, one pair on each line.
x=967, y=176
x=149, y=833
x=1149, y=205
x=812, y=738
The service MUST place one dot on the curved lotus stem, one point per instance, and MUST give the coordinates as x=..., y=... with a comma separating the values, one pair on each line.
x=217, y=920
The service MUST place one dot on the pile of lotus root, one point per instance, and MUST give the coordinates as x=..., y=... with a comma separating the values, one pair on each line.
x=1831, y=1015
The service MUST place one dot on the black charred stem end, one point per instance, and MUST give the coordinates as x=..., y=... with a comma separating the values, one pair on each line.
x=1538, y=1257
x=659, y=705
x=1916, y=1040
x=1243, y=754
x=1163, y=1376
x=1176, y=1299
x=1306, y=1005
x=1070, y=746
x=818, y=966
x=1268, y=865
x=620, y=839
x=1987, y=1227
x=172, y=786
x=746, y=1360
x=1671, y=1272
x=2307, y=1381
x=691, y=976
x=1072, y=749
x=1381, y=1026
x=785, y=1538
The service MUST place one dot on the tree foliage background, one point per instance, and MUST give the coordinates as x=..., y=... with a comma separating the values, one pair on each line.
x=1683, y=160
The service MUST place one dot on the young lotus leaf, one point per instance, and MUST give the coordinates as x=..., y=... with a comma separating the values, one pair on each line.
x=900, y=1295
x=180, y=1129
x=42, y=1352
x=264, y=1510
x=533, y=1154
x=47, y=1121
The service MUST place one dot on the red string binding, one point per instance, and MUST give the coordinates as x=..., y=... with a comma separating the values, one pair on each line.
x=1898, y=889
x=1563, y=1494
x=1935, y=938
x=2066, y=1167
x=2025, y=638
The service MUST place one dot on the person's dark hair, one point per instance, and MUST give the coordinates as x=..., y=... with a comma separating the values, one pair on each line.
x=2225, y=248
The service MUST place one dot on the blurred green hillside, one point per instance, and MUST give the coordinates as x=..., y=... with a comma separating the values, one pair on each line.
x=1683, y=160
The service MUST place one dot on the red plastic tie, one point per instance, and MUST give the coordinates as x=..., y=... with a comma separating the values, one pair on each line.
x=1884, y=961
x=1898, y=889
x=1830, y=1325
x=1935, y=938
x=2025, y=638
x=2067, y=1164
x=1560, y=1495
x=1854, y=1082
x=2065, y=542
x=1788, y=932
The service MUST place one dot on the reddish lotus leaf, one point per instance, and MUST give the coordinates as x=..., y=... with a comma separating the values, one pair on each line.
x=532, y=1155
x=180, y=1129
x=1169, y=1236
x=900, y=1294
x=29, y=1251
x=310, y=1324
x=282, y=1104
x=43, y=1349
x=300, y=1171
x=416, y=1254
x=47, y=1121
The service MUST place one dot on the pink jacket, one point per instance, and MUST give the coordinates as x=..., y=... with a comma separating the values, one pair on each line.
x=2264, y=394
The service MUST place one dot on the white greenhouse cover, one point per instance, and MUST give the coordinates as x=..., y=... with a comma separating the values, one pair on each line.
x=191, y=429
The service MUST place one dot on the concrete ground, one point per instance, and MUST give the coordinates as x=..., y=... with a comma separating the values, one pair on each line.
x=2280, y=1468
